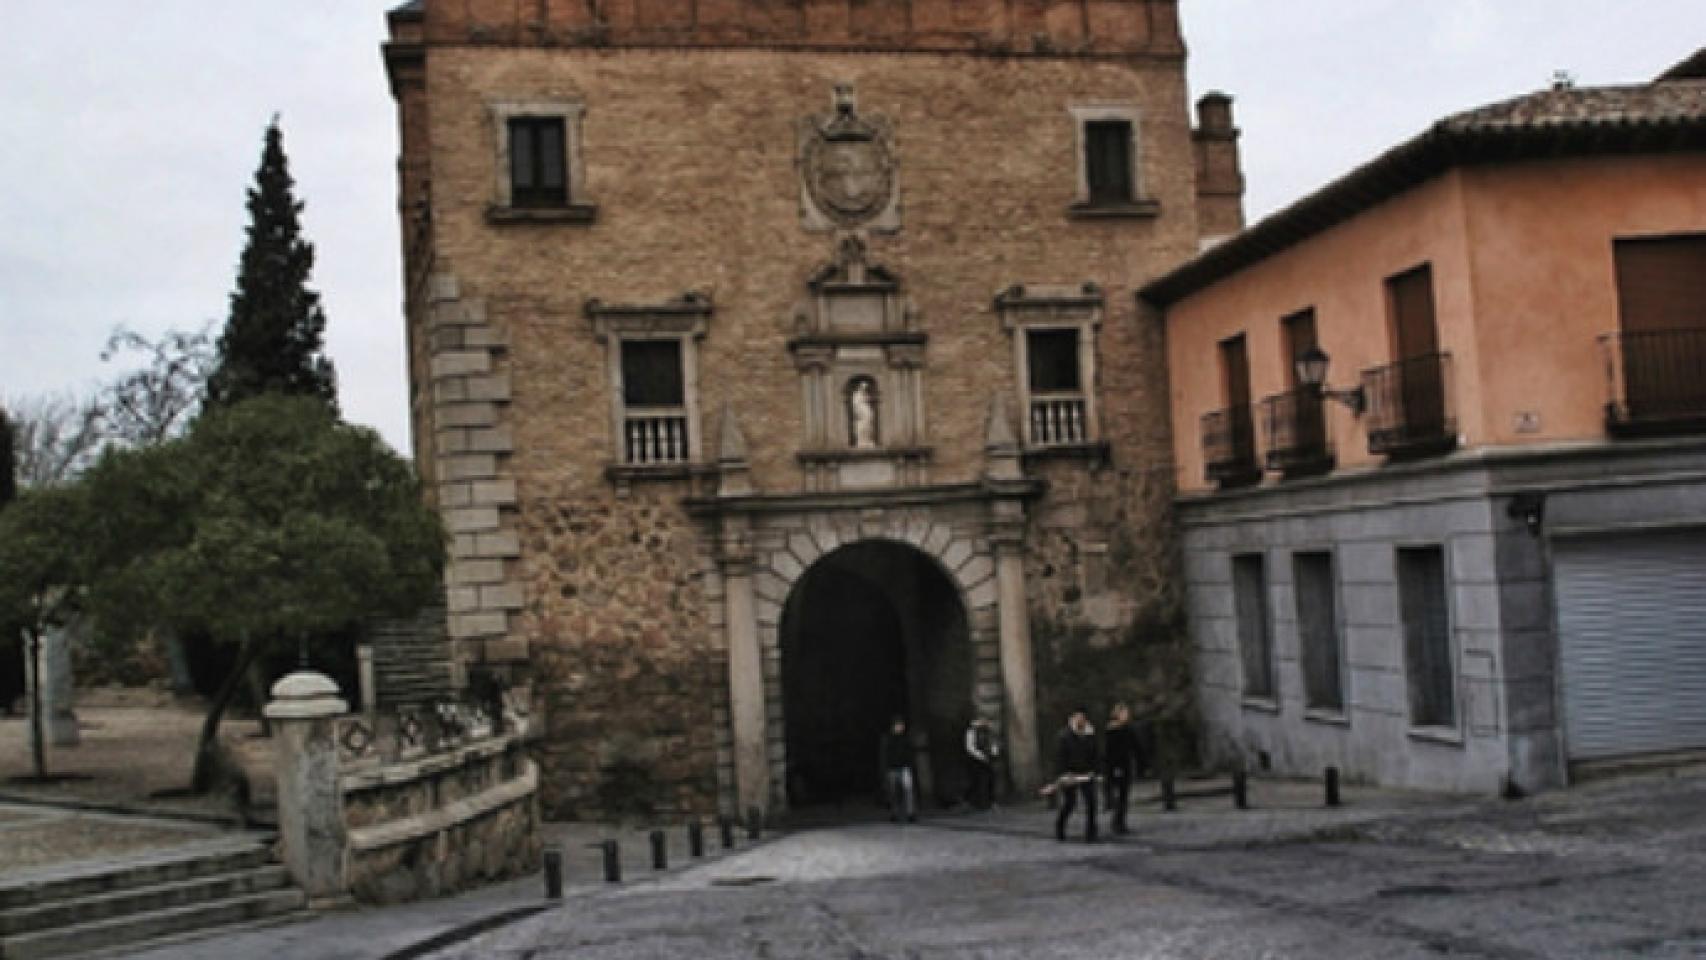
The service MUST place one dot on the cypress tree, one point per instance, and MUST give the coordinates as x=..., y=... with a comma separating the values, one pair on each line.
x=273, y=340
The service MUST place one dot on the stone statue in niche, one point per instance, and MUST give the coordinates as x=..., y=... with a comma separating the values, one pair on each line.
x=862, y=413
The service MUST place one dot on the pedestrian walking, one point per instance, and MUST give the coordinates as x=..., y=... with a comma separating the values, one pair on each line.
x=1075, y=758
x=1122, y=761
x=981, y=752
x=897, y=771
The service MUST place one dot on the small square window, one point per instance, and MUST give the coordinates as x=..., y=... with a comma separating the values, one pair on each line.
x=1107, y=161
x=537, y=167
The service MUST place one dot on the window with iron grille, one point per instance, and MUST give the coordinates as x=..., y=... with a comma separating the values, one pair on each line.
x=538, y=168
x=1423, y=609
x=1255, y=638
x=1107, y=161
x=1318, y=630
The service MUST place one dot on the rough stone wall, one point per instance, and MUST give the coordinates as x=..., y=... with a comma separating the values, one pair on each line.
x=629, y=675
x=690, y=162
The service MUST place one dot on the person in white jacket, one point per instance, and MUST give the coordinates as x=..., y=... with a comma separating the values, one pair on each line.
x=981, y=753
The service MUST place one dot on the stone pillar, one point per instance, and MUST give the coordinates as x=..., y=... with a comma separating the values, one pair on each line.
x=746, y=681
x=58, y=688
x=364, y=676
x=1016, y=676
x=304, y=709
x=1004, y=475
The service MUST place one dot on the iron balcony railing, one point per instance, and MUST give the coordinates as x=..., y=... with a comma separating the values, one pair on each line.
x=1229, y=447
x=1410, y=412
x=1294, y=424
x=655, y=438
x=1058, y=421
x=1657, y=381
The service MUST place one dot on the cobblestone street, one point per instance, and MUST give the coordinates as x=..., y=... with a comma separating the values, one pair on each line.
x=1608, y=870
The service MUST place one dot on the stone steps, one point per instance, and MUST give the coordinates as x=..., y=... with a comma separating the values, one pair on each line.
x=91, y=907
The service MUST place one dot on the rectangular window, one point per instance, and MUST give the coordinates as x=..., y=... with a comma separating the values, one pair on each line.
x=1053, y=356
x=651, y=373
x=1255, y=641
x=1422, y=607
x=1318, y=630
x=1410, y=297
x=1299, y=329
x=537, y=168
x=1107, y=161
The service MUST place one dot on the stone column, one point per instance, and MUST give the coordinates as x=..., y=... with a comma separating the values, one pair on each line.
x=365, y=676
x=1016, y=676
x=746, y=681
x=58, y=688
x=304, y=709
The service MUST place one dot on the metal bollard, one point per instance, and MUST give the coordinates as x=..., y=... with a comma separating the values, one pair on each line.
x=553, y=873
x=754, y=823
x=612, y=862
x=696, y=839
x=1333, y=787
x=727, y=827
x=1241, y=790
x=1169, y=795
x=660, y=851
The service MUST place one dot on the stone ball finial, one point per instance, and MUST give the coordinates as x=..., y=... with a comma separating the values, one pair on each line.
x=305, y=695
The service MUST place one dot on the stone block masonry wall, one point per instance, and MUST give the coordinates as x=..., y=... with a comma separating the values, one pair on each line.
x=476, y=493
x=438, y=825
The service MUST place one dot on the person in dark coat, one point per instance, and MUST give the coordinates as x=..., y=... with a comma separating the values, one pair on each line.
x=1075, y=759
x=897, y=771
x=1122, y=761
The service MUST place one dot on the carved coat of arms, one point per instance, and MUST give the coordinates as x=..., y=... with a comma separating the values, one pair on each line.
x=847, y=168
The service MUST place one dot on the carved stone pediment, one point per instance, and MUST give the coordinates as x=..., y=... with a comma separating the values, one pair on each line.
x=848, y=173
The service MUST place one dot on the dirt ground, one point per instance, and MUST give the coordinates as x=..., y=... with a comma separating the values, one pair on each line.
x=135, y=746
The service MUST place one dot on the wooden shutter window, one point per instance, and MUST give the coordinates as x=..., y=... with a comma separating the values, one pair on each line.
x=1107, y=161
x=538, y=173
x=1411, y=296
x=1299, y=337
x=1661, y=283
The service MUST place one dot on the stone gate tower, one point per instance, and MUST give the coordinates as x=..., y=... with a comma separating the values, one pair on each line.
x=776, y=368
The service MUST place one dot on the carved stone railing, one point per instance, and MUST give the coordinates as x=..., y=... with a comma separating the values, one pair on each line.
x=1059, y=421
x=655, y=438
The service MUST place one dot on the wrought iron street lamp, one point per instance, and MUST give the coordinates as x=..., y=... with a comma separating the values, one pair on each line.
x=1312, y=374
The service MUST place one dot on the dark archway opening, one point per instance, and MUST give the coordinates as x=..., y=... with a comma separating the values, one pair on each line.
x=873, y=630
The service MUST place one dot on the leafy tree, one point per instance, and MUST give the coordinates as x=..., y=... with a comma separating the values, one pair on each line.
x=273, y=338
x=156, y=401
x=8, y=462
x=42, y=534
x=270, y=523
x=11, y=658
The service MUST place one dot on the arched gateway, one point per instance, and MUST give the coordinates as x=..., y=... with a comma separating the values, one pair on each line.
x=875, y=629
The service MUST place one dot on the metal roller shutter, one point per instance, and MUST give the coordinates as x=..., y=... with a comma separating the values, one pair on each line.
x=1632, y=630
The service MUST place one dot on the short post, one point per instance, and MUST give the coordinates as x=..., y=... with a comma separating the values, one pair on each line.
x=304, y=710
x=660, y=850
x=553, y=873
x=754, y=823
x=1241, y=790
x=1169, y=794
x=727, y=827
x=364, y=674
x=696, y=839
x=1333, y=786
x=612, y=861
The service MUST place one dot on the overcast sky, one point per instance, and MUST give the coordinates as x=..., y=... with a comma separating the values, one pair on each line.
x=129, y=132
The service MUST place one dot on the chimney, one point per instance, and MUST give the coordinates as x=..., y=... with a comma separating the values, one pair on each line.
x=1220, y=173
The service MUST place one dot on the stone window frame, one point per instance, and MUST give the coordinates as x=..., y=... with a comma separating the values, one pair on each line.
x=1141, y=204
x=1024, y=310
x=685, y=321
x=1449, y=734
x=579, y=208
x=1261, y=632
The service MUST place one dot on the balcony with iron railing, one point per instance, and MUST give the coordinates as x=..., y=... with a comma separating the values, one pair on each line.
x=1410, y=407
x=1294, y=425
x=1657, y=382
x=1229, y=448
x=655, y=437
x=1059, y=420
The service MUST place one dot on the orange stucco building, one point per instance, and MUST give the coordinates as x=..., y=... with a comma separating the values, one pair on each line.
x=1474, y=552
